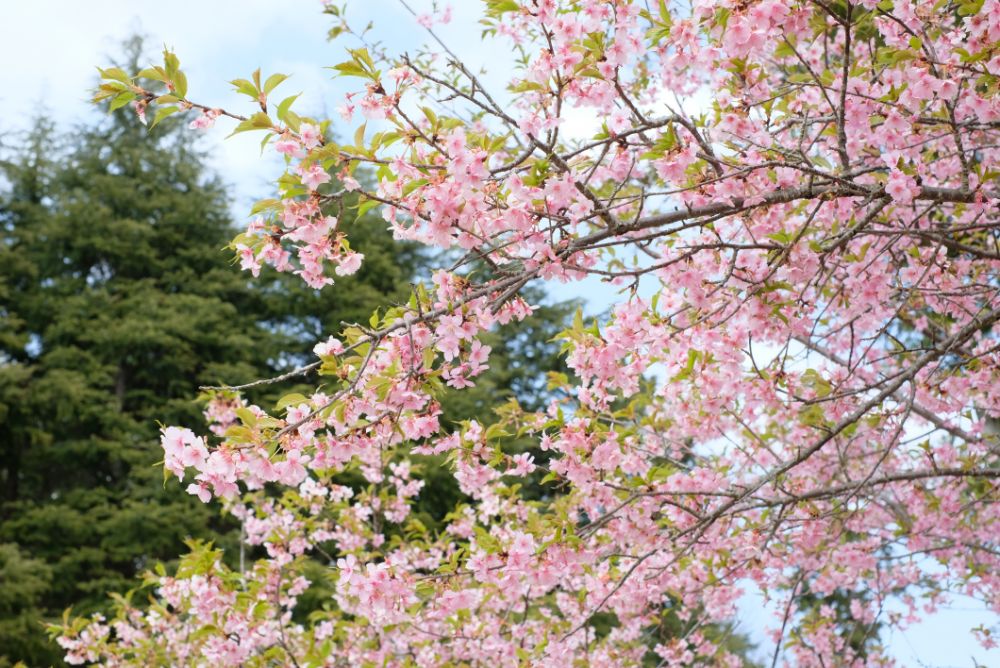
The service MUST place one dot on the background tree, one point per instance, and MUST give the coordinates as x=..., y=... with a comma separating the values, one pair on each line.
x=117, y=309
x=117, y=304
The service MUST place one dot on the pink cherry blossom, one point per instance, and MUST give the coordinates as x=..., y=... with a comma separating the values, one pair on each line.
x=795, y=389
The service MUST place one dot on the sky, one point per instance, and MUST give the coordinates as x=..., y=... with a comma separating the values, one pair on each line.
x=49, y=50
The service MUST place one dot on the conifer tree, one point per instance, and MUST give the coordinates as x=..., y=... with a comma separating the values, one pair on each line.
x=117, y=302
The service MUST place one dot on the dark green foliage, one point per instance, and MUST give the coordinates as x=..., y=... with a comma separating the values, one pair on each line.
x=117, y=301
x=24, y=583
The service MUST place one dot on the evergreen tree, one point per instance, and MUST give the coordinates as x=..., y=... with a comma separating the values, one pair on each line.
x=116, y=306
x=117, y=302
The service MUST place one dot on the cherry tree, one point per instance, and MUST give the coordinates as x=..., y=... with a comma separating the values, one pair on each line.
x=796, y=389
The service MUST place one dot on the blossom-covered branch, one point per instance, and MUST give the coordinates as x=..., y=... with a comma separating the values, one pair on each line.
x=798, y=386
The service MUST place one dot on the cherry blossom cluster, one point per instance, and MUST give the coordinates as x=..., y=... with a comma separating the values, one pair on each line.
x=797, y=390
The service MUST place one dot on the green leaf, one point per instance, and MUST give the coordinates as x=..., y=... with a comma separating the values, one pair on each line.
x=171, y=63
x=292, y=120
x=246, y=416
x=239, y=434
x=813, y=416
x=261, y=121
x=362, y=55
x=273, y=81
x=180, y=84
x=245, y=87
x=115, y=73
x=154, y=73
x=351, y=69
x=161, y=113
x=293, y=399
x=365, y=206
x=284, y=106
x=121, y=100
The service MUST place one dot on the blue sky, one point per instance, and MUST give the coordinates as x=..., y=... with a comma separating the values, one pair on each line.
x=48, y=52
